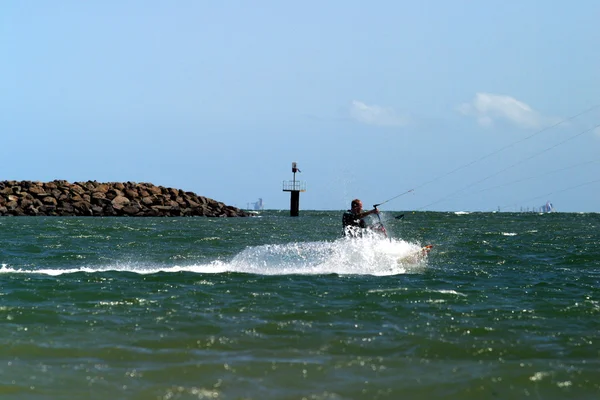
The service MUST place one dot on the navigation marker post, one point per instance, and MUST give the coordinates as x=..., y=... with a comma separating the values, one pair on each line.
x=294, y=187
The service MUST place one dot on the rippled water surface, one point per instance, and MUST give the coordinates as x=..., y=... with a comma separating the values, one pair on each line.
x=506, y=306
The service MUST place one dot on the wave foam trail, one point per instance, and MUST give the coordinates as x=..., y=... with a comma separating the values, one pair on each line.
x=344, y=256
x=365, y=256
x=138, y=268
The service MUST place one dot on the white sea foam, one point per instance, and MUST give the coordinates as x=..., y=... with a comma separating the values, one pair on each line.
x=364, y=256
x=214, y=267
x=454, y=292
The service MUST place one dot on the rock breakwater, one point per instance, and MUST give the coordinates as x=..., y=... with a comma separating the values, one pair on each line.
x=91, y=198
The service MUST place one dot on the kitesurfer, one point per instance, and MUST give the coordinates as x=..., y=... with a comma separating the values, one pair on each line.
x=353, y=220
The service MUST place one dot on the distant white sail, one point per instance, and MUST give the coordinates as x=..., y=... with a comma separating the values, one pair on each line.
x=548, y=207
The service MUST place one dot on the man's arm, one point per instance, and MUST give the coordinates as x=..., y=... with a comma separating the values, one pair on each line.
x=366, y=213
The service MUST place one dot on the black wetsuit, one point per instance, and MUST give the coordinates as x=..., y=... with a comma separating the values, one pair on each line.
x=352, y=224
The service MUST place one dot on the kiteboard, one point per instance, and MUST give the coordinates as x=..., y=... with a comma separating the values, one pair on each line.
x=416, y=256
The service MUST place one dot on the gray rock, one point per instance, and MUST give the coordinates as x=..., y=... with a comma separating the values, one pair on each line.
x=91, y=198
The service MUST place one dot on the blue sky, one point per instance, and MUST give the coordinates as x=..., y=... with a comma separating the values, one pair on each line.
x=454, y=99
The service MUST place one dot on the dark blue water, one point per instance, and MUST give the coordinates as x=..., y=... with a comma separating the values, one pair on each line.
x=507, y=305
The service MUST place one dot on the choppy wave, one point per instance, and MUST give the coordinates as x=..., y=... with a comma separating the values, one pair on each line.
x=364, y=256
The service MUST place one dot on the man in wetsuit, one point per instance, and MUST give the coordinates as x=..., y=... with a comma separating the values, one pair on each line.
x=352, y=220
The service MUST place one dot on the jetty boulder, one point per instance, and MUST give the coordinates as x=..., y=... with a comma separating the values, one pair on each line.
x=91, y=198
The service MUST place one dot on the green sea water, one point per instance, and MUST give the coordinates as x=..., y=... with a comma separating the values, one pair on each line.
x=506, y=306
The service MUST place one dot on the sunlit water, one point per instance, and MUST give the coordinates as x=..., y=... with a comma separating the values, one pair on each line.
x=504, y=306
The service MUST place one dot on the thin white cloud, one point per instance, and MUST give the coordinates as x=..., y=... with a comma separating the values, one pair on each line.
x=488, y=108
x=377, y=115
x=597, y=131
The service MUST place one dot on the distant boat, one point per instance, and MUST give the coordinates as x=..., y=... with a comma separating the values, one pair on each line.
x=547, y=208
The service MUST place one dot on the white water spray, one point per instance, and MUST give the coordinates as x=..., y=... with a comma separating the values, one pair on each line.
x=370, y=255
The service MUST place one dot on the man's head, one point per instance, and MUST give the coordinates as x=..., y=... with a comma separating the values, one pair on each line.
x=356, y=204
